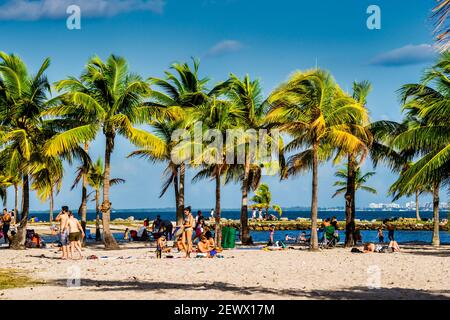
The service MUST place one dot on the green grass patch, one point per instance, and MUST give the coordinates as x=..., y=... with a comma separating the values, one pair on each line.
x=10, y=278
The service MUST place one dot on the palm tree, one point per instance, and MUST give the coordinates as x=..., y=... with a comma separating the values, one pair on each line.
x=360, y=93
x=246, y=94
x=23, y=97
x=427, y=106
x=164, y=130
x=442, y=27
x=360, y=181
x=263, y=199
x=318, y=115
x=117, y=98
x=217, y=117
x=182, y=92
x=96, y=177
x=47, y=180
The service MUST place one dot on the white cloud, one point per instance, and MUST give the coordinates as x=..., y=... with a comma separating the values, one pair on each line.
x=55, y=9
x=407, y=55
x=224, y=47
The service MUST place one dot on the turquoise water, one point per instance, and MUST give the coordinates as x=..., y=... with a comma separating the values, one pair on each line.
x=292, y=214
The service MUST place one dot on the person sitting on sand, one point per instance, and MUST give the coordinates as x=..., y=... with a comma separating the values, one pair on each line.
x=204, y=247
x=302, y=237
x=179, y=244
x=126, y=235
x=161, y=246
x=76, y=234
x=393, y=246
x=371, y=248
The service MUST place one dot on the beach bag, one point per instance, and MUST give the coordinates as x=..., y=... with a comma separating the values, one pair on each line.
x=356, y=250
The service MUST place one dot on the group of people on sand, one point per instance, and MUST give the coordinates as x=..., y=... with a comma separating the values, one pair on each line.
x=193, y=230
x=70, y=234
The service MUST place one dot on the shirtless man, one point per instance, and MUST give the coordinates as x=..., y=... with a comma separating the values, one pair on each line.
x=76, y=233
x=204, y=247
x=62, y=217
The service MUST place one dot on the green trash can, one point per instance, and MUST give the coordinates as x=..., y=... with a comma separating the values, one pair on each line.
x=228, y=238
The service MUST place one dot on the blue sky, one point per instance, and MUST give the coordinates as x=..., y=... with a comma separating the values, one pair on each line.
x=267, y=39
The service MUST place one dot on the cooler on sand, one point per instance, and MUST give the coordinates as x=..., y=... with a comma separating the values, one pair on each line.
x=228, y=237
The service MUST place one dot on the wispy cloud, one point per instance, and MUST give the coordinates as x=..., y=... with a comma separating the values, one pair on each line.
x=55, y=9
x=224, y=47
x=407, y=55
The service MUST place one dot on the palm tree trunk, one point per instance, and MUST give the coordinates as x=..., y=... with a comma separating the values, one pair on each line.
x=314, y=198
x=83, y=206
x=108, y=239
x=98, y=236
x=218, y=230
x=436, y=241
x=178, y=217
x=417, y=206
x=16, y=203
x=18, y=242
x=181, y=195
x=51, y=205
x=350, y=201
x=245, y=232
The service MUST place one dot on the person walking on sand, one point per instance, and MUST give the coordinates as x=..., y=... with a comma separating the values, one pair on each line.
x=62, y=218
x=188, y=228
x=76, y=234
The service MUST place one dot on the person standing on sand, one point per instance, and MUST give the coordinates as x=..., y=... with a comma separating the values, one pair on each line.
x=212, y=214
x=62, y=218
x=6, y=220
x=254, y=214
x=380, y=235
x=391, y=229
x=76, y=234
x=188, y=228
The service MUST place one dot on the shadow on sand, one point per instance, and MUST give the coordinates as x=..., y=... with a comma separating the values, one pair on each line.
x=355, y=293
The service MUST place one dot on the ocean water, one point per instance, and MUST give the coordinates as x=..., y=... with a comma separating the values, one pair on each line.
x=292, y=214
x=262, y=236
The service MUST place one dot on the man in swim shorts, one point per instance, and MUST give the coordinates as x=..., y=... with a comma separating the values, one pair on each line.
x=76, y=233
x=62, y=217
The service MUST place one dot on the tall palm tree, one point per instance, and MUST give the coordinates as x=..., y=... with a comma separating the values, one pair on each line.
x=23, y=97
x=118, y=99
x=47, y=177
x=217, y=117
x=95, y=177
x=360, y=181
x=427, y=107
x=164, y=130
x=355, y=159
x=182, y=91
x=246, y=94
x=318, y=115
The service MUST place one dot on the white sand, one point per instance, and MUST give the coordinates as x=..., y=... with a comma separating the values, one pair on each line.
x=420, y=272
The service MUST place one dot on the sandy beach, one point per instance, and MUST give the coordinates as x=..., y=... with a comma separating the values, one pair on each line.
x=419, y=272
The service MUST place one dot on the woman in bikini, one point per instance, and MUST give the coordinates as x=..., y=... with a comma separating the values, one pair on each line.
x=188, y=228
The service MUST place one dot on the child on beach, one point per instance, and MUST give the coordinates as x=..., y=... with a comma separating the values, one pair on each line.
x=272, y=233
x=380, y=235
x=160, y=246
